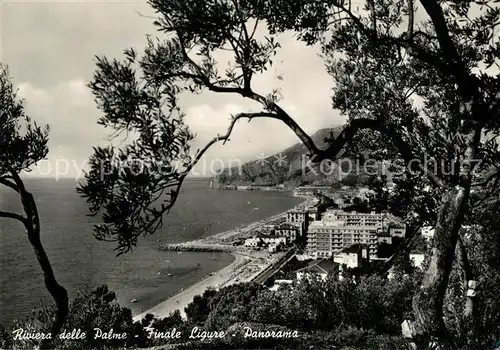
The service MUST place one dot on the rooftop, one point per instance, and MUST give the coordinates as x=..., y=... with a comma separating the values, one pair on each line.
x=337, y=211
x=320, y=266
x=339, y=224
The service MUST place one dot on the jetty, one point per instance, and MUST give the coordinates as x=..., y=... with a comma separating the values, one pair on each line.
x=198, y=247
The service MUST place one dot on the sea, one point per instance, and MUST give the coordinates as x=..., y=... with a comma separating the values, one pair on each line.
x=146, y=274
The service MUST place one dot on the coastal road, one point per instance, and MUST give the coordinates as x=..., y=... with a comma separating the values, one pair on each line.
x=271, y=270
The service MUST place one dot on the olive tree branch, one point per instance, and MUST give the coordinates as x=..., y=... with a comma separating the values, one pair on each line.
x=14, y=216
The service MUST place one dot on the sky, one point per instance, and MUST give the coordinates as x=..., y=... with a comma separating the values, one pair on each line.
x=50, y=49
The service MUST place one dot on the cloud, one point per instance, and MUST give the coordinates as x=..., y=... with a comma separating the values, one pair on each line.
x=69, y=110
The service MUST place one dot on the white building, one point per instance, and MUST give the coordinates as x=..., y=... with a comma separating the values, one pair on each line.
x=339, y=229
x=355, y=218
x=273, y=239
x=275, y=243
x=417, y=259
x=318, y=268
x=252, y=242
x=327, y=238
x=349, y=259
x=263, y=239
x=352, y=256
x=313, y=213
x=279, y=283
x=272, y=248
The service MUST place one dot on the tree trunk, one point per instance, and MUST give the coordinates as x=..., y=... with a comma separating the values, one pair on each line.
x=58, y=293
x=470, y=311
x=428, y=302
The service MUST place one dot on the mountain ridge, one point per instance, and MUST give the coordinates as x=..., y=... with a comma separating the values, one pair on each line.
x=281, y=167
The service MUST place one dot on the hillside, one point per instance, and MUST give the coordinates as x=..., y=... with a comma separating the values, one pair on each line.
x=285, y=167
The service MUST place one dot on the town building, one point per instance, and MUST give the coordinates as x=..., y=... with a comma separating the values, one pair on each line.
x=396, y=230
x=273, y=239
x=260, y=240
x=279, y=283
x=314, y=213
x=318, y=268
x=289, y=231
x=327, y=238
x=352, y=256
x=355, y=218
x=299, y=218
x=273, y=248
x=339, y=229
x=384, y=238
x=296, y=216
x=417, y=259
x=253, y=242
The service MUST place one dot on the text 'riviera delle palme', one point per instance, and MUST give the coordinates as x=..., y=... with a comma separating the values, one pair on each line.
x=151, y=333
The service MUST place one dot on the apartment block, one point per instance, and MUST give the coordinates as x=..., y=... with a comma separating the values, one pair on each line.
x=339, y=230
x=289, y=231
x=297, y=217
x=356, y=219
x=327, y=238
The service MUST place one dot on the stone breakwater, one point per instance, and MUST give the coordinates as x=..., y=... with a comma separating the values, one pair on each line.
x=194, y=247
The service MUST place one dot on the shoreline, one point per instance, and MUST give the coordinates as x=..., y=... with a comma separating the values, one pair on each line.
x=180, y=300
x=245, y=267
x=222, y=238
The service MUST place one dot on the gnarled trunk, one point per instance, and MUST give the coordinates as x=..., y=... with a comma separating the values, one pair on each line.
x=470, y=312
x=58, y=292
x=428, y=302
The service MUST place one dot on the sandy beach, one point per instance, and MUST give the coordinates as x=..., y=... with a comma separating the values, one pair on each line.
x=245, y=267
x=179, y=301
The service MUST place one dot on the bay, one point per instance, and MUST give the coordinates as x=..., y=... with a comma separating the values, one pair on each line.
x=80, y=261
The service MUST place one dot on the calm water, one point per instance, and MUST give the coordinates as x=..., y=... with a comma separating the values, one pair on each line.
x=79, y=260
